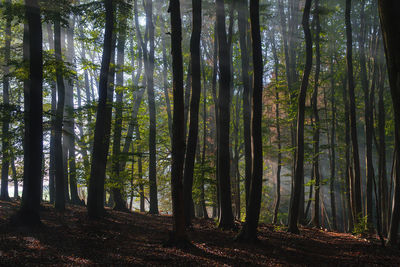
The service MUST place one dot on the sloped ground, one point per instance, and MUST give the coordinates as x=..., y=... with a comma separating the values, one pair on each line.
x=137, y=239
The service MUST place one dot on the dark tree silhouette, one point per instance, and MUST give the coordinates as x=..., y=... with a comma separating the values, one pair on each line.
x=33, y=97
x=103, y=122
x=178, y=234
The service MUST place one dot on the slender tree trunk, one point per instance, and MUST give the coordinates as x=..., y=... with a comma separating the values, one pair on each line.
x=249, y=230
x=357, y=207
x=149, y=65
x=383, y=188
x=70, y=120
x=299, y=171
x=118, y=189
x=178, y=234
x=278, y=130
x=103, y=124
x=59, y=162
x=226, y=215
x=368, y=111
x=242, y=24
x=332, y=148
x=165, y=79
x=52, y=167
x=6, y=101
x=203, y=155
x=28, y=213
x=194, y=111
x=316, y=215
x=390, y=29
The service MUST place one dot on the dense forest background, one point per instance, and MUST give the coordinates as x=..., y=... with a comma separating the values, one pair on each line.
x=279, y=111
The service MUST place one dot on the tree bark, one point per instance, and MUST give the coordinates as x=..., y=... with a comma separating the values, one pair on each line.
x=299, y=171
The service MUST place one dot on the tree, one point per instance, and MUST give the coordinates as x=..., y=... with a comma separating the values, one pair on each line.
x=6, y=101
x=299, y=170
x=117, y=189
x=249, y=230
x=103, y=123
x=356, y=182
x=194, y=110
x=316, y=214
x=226, y=215
x=242, y=24
x=178, y=234
x=390, y=28
x=59, y=165
x=29, y=212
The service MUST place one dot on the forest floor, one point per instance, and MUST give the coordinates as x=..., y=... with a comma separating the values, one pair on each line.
x=138, y=239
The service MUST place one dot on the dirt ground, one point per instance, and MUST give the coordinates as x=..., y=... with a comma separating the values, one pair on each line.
x=121, y=239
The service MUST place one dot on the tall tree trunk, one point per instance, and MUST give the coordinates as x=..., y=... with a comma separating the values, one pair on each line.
x=332, y=147
x=383, y=188
x=28, y=213
x=299, y=171
x=278, y=131
x=52, y=165
x=6, y=101
x=249, y=230
x=244, y=55
x=316, y=215
x=203, y=155
x=194, y=111
x=368, y=113
x=149, y=65
x=59, y=163
x=357, y=206
x=390, y=29
x=70, y=120
x=103, y=123
x=178, y=234
x=118, y=188
x=226, y=215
